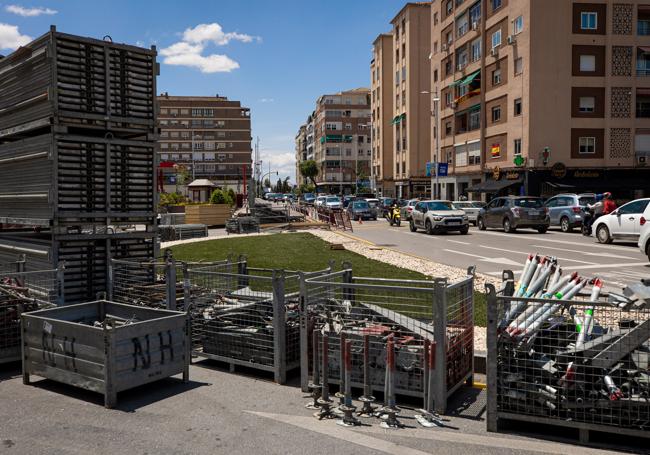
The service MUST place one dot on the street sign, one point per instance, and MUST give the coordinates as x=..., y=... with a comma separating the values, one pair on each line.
x=429, y=166
x=443, y=169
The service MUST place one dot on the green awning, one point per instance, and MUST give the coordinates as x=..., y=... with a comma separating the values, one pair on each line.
x=455, y=83
x=322, y=139
x=396, y=120
x=471, y=77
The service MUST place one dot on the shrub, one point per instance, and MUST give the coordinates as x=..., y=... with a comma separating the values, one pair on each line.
x=221, y=197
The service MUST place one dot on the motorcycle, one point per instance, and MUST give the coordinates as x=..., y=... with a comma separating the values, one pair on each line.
x=394, y=216
x=586, y=222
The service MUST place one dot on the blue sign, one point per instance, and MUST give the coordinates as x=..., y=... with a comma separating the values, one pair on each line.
x=429, y=169
x=443, y=169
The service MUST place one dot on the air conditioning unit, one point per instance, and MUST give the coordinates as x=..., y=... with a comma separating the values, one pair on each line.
x=512, y=40
x=494, y=52
x=444, y=47
x=459, y=67
x=454, y=104
x=474, y=25
x=642, y=160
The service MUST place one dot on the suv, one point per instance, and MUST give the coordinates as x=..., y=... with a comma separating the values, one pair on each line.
x=513, y=212
x=624, y=223
x=438, y=216
x=407, y=209
x=568, y=210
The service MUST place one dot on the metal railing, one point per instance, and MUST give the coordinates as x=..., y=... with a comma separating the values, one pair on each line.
x=412, y=313
x=247, y=316
x=580, y=362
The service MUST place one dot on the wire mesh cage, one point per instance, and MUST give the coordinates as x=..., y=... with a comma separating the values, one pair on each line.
x=410, y=312
x=247, y=316
x=155, y=284
x=581, y=362
x=21, y=291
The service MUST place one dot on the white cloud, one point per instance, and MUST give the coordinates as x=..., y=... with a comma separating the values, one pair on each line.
x=281, y=161
x=10, y=37
x=189, y=51
x=29, y=12
x=267, y=100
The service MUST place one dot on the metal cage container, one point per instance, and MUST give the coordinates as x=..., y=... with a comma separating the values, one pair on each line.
x=247, y=316
x=579, y=363
x=21, y=291
x=105, y=347
x=410, y=311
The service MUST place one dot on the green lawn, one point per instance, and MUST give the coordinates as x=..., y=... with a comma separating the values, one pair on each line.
x=301, y=251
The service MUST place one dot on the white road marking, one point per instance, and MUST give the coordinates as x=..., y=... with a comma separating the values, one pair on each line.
x=504, y=261
x=610, y=266
x=539, y=238
x=458, y=241
x=525, y=254
x=362, y=437
x=609, y=254
x=466, y=254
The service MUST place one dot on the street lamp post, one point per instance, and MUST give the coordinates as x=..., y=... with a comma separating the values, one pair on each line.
x=435, y=190
x=264, y=175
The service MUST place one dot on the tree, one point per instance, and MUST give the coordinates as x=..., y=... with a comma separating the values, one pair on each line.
x=309, y=170
x=221, y=197
x=278, y=186
x=286, y=188
x=267, y=184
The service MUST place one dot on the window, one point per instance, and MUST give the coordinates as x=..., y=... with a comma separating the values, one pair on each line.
x=635, y=207
x=475, y=49
x=403, y=50
x=518, y=107
x=448, y=98
x=450, y=7
x=435, y=75
x=587, y=103
x=397, y=77
x=587, y=145
x=448, y=128
x=496, y=77
x=588, y=20
x=348, y=126
x=496, y=39
x=396, y=55
x=496, y=114
x=517, y=147
x=403, y=26
x=404, y=73
x=474, y=119
x=587, y=63
x=435, y=18
x=496, y=4
x=518, y=25
x=519, y=65
x=474, y=153
x=461, y=155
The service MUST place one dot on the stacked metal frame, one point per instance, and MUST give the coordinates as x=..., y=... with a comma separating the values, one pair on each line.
x=410, y=312
x=580, y=363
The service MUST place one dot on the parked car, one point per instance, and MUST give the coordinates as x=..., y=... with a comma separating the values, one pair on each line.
x=624, y=223
x=309, y=198
x=438, y=216
x=332, y=202
x=568, y=210
x=320, y=201
x=407, y=209
x=347, y=199
x=644, y=232
x=288, y=197
x=470, y=208
x=361, y=210
x=374, y=205
x=514, y=212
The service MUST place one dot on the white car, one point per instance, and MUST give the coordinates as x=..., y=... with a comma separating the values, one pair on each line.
x=332, y=202
x=644, y=237
x=320, y=200
x=624, y=223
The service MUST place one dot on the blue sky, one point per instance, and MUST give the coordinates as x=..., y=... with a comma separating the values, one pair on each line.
x=276, y=57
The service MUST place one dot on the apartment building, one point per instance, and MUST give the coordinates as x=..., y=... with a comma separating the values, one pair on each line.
x=301, y=152
x=210, y=136
x=411, y=119
x=341, y=141
x=381, y=106
x=540, y=97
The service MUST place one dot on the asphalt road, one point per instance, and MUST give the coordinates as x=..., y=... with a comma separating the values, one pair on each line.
x=493, y=251
x=231, y=413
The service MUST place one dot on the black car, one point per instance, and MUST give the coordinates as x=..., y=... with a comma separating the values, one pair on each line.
x=513, y=212
x=360, y=209
x=385, y=203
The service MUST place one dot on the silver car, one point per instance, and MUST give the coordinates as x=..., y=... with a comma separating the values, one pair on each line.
x=407, y=209
x=438, y=216
x=470, y=208
x=568, y=210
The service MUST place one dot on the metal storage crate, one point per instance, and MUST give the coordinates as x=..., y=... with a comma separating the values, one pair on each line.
x=542, y=373
x=169, y=233
x=105, y=347
x=78, y=83
x=86, y=257
x=23, y=290
x=65, y=180
x=340, y=304
x=247, y=316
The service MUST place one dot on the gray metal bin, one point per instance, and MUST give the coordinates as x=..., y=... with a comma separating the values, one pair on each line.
x=66, y=345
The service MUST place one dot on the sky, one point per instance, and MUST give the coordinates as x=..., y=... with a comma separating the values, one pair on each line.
x=275, y=56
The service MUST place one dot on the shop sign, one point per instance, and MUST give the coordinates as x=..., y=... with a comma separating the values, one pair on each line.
x=496, y=173
x=558, y=170
x=590, y=174
x=512, y=175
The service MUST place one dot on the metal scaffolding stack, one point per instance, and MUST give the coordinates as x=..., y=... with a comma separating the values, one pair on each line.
x=77, y=157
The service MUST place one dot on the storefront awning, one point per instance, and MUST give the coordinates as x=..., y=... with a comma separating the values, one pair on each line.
x=493, y=186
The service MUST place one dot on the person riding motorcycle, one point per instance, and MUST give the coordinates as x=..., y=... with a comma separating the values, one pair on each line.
x=594, y=211
x=394, y=215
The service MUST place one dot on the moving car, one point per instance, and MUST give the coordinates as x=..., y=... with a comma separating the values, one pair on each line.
x=514, y=212
x=361, y=210
x=568, y=210
x=624, y=223
x=407, y=209
x=470, y=208
x=332, y=202
x=644, y=237
x=438, y=216
x=320, y=201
